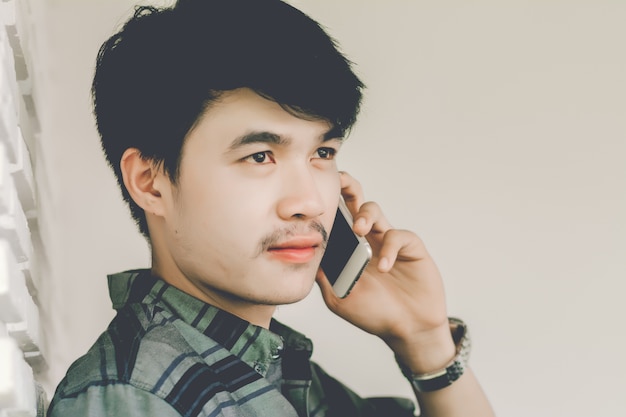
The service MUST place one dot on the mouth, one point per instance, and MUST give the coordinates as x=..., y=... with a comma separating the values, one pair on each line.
x=297, y=250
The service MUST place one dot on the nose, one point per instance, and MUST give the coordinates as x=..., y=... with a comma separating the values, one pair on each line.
x=300, y=196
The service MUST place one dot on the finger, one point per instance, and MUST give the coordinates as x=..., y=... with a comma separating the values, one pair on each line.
x=351, y=191
x=370, y=218
x=401, y=244
x=328, y=294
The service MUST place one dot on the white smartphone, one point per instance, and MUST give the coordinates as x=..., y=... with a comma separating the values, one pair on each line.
x=347, y=254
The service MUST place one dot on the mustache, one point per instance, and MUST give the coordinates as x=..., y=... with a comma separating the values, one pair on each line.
x=285, y=233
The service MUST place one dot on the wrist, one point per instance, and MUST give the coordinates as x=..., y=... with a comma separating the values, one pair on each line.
x=435, y=379
x=425, y=352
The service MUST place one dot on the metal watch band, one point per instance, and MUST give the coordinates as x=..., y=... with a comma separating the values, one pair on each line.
x=437, y=380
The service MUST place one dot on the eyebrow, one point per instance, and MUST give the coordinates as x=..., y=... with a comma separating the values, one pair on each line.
x=258, y=137
x=275, y=139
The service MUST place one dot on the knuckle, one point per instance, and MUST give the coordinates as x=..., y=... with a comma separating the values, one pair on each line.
x=370, y=206
x=394, y=234
x=404, y=236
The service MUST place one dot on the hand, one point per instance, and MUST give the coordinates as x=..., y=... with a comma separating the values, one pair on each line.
x=400, y=296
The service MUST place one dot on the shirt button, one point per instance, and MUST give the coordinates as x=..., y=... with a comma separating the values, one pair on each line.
x=277, y=353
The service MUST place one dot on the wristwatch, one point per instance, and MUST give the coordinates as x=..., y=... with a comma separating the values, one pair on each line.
x=442, y=378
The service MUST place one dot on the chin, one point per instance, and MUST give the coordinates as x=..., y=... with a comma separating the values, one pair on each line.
x=289, y=294
x=295, y=298
x=287, y=284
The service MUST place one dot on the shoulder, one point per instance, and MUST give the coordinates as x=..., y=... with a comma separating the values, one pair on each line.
x=131, y=339
x=140, y=356
x=111, y=400
x=149, y=360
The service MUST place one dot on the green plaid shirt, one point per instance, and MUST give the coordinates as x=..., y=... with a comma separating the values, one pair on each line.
x=169, y=354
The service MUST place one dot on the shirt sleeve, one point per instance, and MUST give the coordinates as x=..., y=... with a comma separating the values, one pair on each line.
x=112, y=401
x=342, y=401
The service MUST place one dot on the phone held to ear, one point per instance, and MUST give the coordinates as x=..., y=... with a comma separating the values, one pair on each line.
x=347, y=254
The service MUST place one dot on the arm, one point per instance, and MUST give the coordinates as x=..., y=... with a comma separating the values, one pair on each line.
x=400, y=298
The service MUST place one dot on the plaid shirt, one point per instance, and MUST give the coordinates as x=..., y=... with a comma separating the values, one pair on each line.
x=169, y=354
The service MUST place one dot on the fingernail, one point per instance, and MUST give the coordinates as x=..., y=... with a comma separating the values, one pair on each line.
x=360, y=223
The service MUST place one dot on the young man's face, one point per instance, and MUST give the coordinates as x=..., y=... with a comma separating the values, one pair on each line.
x=256, y=198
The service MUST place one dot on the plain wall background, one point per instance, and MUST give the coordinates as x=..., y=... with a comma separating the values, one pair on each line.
x=495, y=130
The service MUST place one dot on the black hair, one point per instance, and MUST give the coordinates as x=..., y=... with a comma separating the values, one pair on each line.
x=161, y=71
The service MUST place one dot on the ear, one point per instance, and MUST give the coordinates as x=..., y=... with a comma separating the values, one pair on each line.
x=144, y=181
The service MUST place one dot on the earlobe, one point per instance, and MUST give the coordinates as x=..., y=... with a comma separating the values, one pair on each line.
x=141, y=179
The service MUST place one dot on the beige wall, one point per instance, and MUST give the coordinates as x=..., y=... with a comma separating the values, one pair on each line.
x=496, y=130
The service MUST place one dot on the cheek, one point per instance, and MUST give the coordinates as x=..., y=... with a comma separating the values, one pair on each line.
x=208, y=191
x=332, y=186
x=223, y=213
x=331, y=192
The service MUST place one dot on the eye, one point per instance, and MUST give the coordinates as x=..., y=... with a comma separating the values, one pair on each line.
x=264, y=157
x=326, y=153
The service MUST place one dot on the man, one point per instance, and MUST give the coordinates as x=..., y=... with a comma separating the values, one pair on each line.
x=222, y=120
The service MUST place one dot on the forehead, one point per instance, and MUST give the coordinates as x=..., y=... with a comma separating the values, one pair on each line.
x=241, y=112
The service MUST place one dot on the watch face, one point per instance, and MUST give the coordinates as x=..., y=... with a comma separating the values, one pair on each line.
x=461, y=339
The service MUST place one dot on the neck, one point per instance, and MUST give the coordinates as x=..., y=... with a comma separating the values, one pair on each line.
x=255, y=313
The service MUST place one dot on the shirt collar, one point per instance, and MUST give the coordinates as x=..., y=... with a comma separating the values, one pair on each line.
x=255, y=345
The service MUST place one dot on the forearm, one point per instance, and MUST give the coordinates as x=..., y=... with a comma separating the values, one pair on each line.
x=433, y=363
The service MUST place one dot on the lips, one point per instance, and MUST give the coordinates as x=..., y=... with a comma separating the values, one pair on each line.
x=296, y=250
